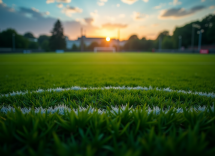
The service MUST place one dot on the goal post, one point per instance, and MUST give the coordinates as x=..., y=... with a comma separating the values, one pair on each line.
x=100, y=49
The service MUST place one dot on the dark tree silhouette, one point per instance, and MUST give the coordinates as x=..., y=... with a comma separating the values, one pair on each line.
x=29, y=35
x=57, y=40
x=92, y=46
x=133, y=43
x=43, y=38
x=74, y=47
x=6, y=39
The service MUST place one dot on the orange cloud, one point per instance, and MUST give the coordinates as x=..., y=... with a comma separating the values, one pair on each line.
x=138, y=16
x=110, y=26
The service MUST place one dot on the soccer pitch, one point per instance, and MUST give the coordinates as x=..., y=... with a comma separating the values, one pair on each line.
x=34, y=71
x=107, y=104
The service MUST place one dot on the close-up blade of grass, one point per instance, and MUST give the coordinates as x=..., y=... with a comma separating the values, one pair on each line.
x=117, y=134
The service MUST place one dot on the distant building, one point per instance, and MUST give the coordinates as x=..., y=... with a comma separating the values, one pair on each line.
x=88, y=41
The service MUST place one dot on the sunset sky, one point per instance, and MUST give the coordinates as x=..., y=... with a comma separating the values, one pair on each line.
x=102, y=18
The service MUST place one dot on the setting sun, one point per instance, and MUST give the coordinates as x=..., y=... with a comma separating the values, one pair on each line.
x=108, y=39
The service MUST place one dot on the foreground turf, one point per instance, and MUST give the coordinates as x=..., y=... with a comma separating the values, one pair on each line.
x=137, y=133
x=179, y=71
x=81, y=128
x=107, y=121
x=123, y=133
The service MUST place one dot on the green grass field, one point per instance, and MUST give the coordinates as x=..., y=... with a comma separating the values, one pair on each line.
x=107, y=121
x=30, y=72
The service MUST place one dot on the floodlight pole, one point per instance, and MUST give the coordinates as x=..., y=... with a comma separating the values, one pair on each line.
x=118, y=39
x=82, y=40
x=13, y=40
x=179, y=43
x=193, y=36
x=160, y=43
x=200, y=39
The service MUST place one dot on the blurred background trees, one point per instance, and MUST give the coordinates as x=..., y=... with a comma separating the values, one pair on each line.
x=57, y=40
x=92, y=46
x=29, y=35
x=32, y=41
x=172, y=41
x=168, y=41
x=43, y=41
x=6, y=39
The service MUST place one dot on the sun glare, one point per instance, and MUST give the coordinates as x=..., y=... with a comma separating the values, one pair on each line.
x=108, y=39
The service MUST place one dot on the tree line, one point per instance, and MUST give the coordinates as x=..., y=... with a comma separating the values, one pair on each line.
x=10, y=39
x=164, y=40
x=185, y=32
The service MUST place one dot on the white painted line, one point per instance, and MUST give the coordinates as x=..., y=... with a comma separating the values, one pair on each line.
x=62, y=109
x=108, y=88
